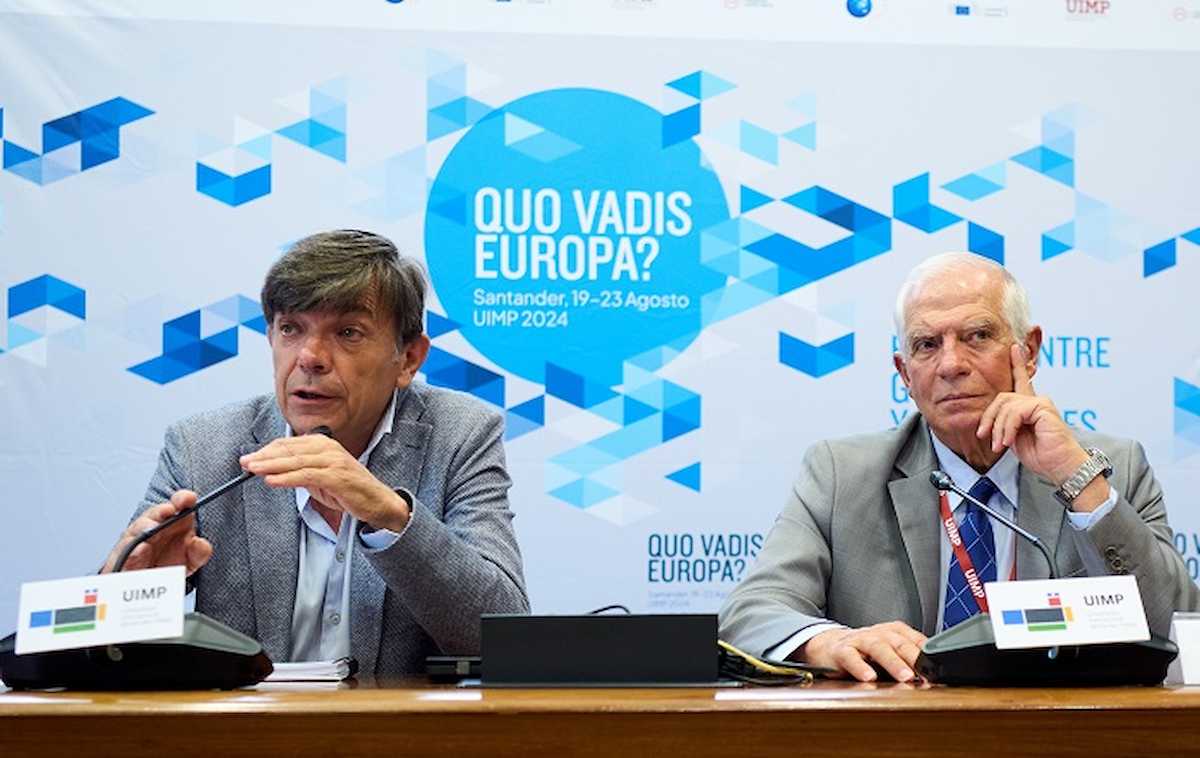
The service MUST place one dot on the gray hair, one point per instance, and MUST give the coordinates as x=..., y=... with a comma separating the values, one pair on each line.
x=1014, y=301
x=345, y=270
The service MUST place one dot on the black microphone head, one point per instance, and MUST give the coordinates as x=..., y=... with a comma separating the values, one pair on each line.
x=941, y=480
x=322, y=430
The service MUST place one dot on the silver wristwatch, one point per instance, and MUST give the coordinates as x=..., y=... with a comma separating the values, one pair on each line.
x=1096, y=464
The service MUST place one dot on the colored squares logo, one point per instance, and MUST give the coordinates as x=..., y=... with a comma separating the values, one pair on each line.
x=80, y=618
x=1053, y=618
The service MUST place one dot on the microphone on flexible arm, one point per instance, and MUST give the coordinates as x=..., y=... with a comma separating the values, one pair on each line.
x=967, y=653
x=237, y=481
x=943, y=482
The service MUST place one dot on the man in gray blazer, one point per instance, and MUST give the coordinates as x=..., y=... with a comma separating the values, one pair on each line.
x=385, y=542
x=863, y=563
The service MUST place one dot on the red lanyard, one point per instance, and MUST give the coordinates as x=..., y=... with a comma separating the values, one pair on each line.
x=963, y=557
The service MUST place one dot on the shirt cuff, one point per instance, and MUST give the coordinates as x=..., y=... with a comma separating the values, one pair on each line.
x=381, y=539
x=781, y=651
x=1081, y=521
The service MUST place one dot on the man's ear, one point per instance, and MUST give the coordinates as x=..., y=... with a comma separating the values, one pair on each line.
x=411, y=357
x=1032, y=344
x=898, y=362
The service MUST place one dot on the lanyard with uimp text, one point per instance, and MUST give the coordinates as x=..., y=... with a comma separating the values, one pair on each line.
x=963, y=557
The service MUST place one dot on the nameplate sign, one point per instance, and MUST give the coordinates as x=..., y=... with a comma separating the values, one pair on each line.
x=1083, y=611
x=102, y=609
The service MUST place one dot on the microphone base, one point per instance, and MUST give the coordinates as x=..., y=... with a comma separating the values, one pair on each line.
x=967, y=655
x=208, y=655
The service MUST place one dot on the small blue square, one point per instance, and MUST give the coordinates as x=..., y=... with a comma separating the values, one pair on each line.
x=962, y=10
x=1013, y=617
x=41, y=618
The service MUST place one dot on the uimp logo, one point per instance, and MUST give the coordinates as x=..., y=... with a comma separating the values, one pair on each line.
x=1088, y=7
x=79, y=618
x=1053, y=618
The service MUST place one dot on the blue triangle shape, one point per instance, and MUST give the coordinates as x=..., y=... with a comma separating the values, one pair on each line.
x=688, y=476
x=19, y=335
x=531, y=410
x=1052, y=247
x=689, y=85
x=437, y=324
x=751, y=199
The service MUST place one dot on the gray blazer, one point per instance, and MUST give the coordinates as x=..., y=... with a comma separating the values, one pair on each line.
x=858, y=540
x=424, y=594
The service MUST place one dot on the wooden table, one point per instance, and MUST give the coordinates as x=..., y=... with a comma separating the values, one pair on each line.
x=828, y=719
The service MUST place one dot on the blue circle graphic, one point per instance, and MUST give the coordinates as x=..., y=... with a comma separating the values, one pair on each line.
x=560, y=230
x=858, y=8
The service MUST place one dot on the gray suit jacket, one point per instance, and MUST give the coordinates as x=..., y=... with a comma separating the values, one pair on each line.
x=858, y=540
x=424, y=594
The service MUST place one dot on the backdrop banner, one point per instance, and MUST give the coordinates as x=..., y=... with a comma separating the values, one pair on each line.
x=663, y=238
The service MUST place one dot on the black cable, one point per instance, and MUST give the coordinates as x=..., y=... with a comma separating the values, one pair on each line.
x=609, y=608
x=237, y=481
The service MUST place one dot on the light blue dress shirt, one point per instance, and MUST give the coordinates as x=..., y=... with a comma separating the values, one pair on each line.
x=321, y=615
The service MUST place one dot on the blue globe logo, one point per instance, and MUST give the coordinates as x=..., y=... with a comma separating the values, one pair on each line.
x=858, y=8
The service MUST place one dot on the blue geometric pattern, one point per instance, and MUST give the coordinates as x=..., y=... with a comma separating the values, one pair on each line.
x=1187, y=413
x=1158, y=258
x=47, y=290
x=978, y=184
x=39, y=308
x=1058, y=240
x=798, y=264
x=535, y=141
x=688, y=476
x=525, y=417
x=985, y=242
x=443, y=369
x=1164, y=255
x=816, y=360
x=1054, y=158
x=202, y=338
x=701, y=85
x=681, y=125
x=449, y=108
x=650, y=411
x=910, y=204
x=73, y=143
x=236, y=174
x=684, y=123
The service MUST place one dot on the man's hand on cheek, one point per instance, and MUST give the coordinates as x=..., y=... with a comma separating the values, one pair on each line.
x=334, y=477
x=1031, y=425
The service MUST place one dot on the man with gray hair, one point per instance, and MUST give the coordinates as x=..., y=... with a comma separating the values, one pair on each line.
x=384, y=541
x=866, y=559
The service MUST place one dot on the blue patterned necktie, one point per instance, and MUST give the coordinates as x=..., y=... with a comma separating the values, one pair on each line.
x=976, y=533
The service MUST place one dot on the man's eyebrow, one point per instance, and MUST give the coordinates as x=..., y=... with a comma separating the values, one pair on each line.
x=982, y=321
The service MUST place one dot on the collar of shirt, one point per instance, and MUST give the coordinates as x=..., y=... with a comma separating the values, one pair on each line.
x=1003, y=473
x=382, y=429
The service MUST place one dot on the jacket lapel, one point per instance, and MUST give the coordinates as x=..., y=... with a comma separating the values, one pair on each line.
x=273, y=540
x=1041, y=513
x=915, y=502
x=396, y=461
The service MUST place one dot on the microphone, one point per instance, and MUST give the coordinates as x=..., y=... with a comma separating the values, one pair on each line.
x=967, y=653
x=942, y=481
x=237, y=481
